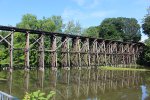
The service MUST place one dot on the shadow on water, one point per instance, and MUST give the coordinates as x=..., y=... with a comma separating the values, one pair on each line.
x=75, y=84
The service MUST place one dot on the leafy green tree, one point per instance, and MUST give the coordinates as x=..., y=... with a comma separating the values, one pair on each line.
x=131, y=30
x=28, y=21
x=146, y=25
x=73, y=28
x=46, y=24
x=110, y=29
x=145, y=56
x=126, y=29
x=91, y=32
x=58, y=23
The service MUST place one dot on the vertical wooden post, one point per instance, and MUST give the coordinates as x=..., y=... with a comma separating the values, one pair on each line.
x=89, y=53
x=84, y=52
x=79, y=51
x=41, y=51
x=68, y=53
x=111, y=54
x=97, y=53
x=105, y=52
x=11, y=52
x=64, y=53
x=75, y=52
x=54, y=52
x=27, y=66
x=123, y=60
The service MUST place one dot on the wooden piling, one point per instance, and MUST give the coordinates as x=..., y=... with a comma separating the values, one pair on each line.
x=11, y=51
x=41, y=52
x=27, y=66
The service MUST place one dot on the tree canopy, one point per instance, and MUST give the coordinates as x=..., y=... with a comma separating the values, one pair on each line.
x=91, y=32
x=125, y=29
x=146, y=25
x=73, y=28
x=30, y=21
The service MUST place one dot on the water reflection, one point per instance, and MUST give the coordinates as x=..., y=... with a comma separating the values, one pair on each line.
x=26, y=81
x=82, y=84
x=144, y=92
x=10, y=82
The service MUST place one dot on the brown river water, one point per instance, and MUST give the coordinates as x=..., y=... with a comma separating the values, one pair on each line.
x=75, y=84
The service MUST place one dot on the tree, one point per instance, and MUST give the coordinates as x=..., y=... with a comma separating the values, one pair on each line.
x=73, y=28
x=126, y=29
x=91, y=32
x=145, y=56
x=46, y=24
x=131, y=30
x=109, y=29
x=58, y=23
x=28, y=21
x=146, y=25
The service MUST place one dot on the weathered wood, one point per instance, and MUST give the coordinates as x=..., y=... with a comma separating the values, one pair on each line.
x=83, y=51
x=27, y=66
x=41, y=52
x=53, y=55
x=11, y=51
x=64, y=53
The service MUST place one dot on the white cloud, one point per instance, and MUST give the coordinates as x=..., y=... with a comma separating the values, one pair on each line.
x=73, y=14
x=76, y=14
x=95, y=3
x=87, y=3
x=80, y=2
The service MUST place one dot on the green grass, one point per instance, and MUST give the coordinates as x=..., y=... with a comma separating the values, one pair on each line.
x=122, y=69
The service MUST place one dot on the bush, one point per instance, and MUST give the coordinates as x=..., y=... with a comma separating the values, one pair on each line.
x=38, y=95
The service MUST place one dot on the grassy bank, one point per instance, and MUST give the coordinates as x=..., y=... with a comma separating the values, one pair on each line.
x=122, y=69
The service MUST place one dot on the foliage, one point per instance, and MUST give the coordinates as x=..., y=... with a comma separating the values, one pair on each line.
x=73, y=28
x=145, y=56
x=110, y=28
x=91, y=32
x=58, y=23
x=30, y=21
x=126, y=29
x=146, y=25
x=38, y=95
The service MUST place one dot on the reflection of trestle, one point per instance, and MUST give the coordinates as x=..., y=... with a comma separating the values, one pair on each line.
x=79, y=84
x=85, y=83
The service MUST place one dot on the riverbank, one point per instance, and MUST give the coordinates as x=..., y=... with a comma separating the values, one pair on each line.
x=122, y=69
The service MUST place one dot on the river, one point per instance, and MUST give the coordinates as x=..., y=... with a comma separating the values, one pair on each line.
x=75, y=84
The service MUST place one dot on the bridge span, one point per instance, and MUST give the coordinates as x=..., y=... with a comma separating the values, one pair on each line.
x=67, y=50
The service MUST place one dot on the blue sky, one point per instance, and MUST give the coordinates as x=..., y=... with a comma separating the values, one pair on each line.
x=87, y=12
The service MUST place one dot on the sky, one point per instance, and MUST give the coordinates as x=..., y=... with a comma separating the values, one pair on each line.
x=87, y=12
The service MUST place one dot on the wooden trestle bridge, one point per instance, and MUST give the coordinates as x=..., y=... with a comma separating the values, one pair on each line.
x=73, y=50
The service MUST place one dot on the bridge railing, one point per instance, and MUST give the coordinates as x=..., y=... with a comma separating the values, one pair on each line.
x=5, y=96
